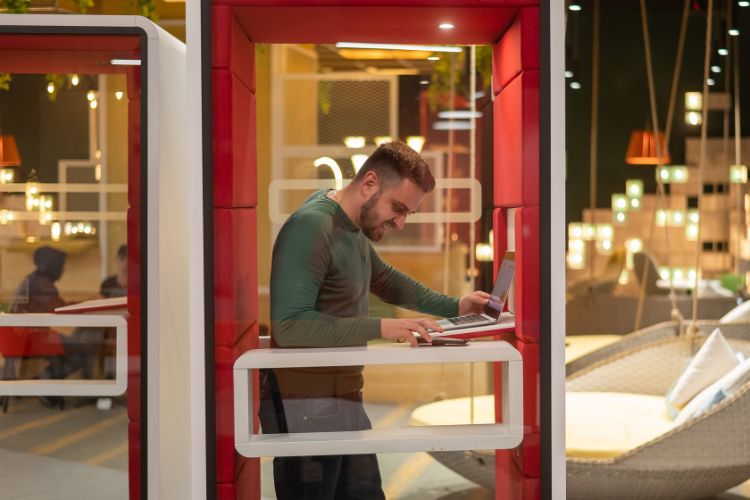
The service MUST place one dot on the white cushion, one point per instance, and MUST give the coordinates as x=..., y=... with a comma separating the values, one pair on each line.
x=716, y=392
x=607, y=424
x=740, y=314
x=714, y=359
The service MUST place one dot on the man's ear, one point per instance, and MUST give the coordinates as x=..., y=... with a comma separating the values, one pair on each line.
x=370, y=184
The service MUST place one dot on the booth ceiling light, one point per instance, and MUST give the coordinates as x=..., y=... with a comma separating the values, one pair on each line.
x=743, y=3
x=461, y=114
x=125, y=62
x=733, y=31
x=711, y=82
x=389, y=46
x=424, y=82
x=738, y=174
x=416, y=142
x=452, y=125
x=568, y=73
x=642, y=149
x=446, y=26
x=716, y=68
x=354, y=141
x=574, y=5
x=433, y=58
x=693, y=101
x=575, y=85
x=722, y=51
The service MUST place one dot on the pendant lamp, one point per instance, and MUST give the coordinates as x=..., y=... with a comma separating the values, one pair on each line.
x=9, y=156
x=642, y=149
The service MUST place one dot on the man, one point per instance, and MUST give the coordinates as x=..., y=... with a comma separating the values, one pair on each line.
x=116, y=285
x=323, y=269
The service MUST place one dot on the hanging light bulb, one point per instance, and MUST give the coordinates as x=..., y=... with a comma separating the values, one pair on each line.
x=93, y=104
x=90, y=95
x=118, y=95
x=50, y=88
x=74, y=80
x=574, y=6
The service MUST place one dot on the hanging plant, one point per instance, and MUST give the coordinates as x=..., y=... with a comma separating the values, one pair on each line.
x=17, y=6
x=446, y=75
x=84, y=5
x=54, y=83
x=324, y=96
x=5, y=79
x=438, y=93
x=147, y=9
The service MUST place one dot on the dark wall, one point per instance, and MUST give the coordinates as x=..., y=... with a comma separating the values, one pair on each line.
x=623, y=90
x=45, y=131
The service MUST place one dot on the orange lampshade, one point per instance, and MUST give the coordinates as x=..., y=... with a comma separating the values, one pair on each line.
x=9, y=156
x=642, y=149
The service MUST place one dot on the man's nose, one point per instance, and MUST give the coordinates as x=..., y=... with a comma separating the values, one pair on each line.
x=399, y=222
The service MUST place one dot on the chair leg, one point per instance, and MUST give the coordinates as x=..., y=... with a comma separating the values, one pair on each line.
x=9, y=373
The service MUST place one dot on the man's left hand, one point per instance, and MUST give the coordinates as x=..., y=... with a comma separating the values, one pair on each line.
x=473, y=303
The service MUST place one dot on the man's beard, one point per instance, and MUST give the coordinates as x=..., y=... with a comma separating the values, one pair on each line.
x=368, y=220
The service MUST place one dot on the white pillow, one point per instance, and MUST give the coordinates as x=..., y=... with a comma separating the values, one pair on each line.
x=714, y=394
x=714, y=359
x=740, y=314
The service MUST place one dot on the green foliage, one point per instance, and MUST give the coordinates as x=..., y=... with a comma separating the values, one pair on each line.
x=5, y=79
x=57, y=82
x=450, y=67
x=324, y=96
x=733, y=282
x=146, y=8
x=17, y=6
x=84, y=5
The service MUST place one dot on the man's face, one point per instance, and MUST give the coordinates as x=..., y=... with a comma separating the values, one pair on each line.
x=388, y=208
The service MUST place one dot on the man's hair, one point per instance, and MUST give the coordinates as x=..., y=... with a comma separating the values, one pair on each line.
x=395, y=161
x=122, y=252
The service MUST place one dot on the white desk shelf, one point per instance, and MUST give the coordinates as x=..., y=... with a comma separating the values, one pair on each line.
x=504, y=435
x=72, y=387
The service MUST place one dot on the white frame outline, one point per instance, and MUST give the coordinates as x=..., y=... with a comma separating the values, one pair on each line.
x=504, y=435
x=72, y=387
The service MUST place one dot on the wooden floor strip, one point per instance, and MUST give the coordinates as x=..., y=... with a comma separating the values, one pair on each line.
x=37, y=423
x=76, y=437
x=407, y=474
x=107, y=455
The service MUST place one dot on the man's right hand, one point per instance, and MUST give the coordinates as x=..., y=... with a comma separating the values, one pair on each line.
x=402, y=330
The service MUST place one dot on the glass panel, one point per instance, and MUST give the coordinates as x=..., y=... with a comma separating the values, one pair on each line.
x=72, y=117
x=329, y=109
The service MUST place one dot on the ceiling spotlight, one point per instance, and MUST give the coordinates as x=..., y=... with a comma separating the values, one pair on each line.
x=446, y=26
x=733, y=31
x=711, y=82
x=722, y=51
x=424, y=82
x=575, y=85
x=118, y=95
x=574, y=5
x=568, y=73
x=743, y=3
x=715, y=68
x=433, y=58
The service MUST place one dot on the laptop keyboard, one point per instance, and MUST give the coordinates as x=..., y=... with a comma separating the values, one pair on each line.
x=468, y=319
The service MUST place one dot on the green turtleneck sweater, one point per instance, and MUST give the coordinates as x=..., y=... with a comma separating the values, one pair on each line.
x=322, y=271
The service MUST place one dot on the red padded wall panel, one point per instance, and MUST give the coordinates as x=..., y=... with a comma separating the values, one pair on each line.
x=231, y=47
x=235, y=273
x=526, y=287
x=517, y=50
x=134, y=460
x=516, y=153
x=528, y=454
x=234, y=156
x=227, y=460
x=134, y=261
x=134, y=367
x=500, y=235
x=134, y=153
x=511, y=483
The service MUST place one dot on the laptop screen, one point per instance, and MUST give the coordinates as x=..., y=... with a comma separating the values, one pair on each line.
x=502, y=285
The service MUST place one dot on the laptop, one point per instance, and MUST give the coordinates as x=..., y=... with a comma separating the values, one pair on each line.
x=492, y=313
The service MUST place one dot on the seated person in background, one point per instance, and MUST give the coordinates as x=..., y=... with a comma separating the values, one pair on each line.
x=117, y=284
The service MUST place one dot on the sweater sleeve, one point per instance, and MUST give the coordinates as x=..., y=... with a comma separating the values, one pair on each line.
x=301, y=259
x=396, y=288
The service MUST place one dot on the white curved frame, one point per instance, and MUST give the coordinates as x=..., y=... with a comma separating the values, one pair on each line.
x=504, y=435
x=72, y=387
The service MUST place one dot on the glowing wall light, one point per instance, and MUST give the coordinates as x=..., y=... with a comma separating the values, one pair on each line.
x=738, y=174
x=55, y=230
x=604, y=246
x=416, y=142
x=575, y=230
x=661, y=218
x=331, y=163
x=354, y=141
x=619, y=202
x=619, y=218
x=693, y=101
x=693, y=216
x=7, y=175
x=691, y=232
x=483, y=252
x=672, y=174
x=676, y=218
x=358, y=161
x=588, y=231
x=693, y=118
x=6, y=216
x=382, y=139
x=634, y=188
x=604, y=231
